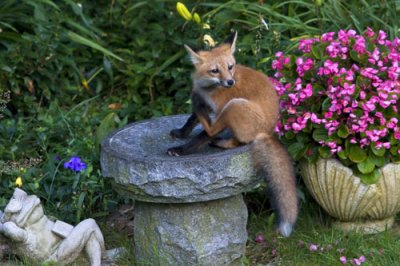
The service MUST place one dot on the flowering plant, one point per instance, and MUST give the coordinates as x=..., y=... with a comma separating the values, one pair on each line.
x=340, y=99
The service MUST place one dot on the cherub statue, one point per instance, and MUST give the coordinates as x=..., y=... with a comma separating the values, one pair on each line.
x=40, y=239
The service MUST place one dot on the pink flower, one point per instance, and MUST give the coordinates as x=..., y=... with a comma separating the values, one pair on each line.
x=369, y=32
x=327, y=93
x=343, y=260
x=329, y=68
x=303, y=65
x=381, y=37
x=335, y=49
x=360, y=46
x=358, y=261
x=305, y=44
x=259, y=238
x=313, y=247
x=397, y=135
x=327, y=37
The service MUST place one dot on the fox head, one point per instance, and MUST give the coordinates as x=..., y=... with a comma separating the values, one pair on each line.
x=216, y=67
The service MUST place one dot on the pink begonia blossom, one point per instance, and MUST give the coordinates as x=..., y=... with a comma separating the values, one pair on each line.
x=328, y=36
x=335, y=49
x=303, y=65
x=305, y=44
x=330, y=67
x=369, y=32
x=381, y=37
x=280, y=61
x=360, y=46
x=360, y=92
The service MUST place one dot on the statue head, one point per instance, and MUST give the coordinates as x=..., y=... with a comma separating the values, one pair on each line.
x=23, y=209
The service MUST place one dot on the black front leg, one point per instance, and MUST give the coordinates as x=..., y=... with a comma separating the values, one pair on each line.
x=200, y=106
x=192, y=146
x=184, y=131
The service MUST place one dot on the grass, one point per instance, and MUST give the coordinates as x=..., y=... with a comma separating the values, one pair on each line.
x=314, y=230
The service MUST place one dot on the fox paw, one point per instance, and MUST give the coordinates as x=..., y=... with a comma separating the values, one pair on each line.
x=175, y=151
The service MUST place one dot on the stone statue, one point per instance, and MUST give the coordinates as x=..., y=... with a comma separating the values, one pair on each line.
x=40, y=239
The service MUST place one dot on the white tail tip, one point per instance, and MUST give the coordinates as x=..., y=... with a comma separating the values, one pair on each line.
x=285, y=229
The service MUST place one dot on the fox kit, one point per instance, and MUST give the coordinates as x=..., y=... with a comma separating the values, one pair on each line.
x=244, y=101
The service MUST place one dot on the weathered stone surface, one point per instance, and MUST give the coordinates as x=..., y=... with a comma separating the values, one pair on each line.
x=136, y=158
x=40, y=240
x=357, y=206
x=189, y=210
x=204, y=233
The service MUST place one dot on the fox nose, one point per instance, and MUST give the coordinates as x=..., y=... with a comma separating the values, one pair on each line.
x=230, y=82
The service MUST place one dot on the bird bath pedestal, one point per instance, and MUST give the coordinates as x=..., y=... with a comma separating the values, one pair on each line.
x=189, y=210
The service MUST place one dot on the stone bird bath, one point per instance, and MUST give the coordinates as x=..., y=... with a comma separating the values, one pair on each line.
x=189, y=210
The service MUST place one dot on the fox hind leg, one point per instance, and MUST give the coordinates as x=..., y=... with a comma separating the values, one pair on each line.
x=226, y=143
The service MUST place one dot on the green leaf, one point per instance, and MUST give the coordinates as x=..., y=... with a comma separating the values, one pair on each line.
x=356, y=154
x=106, y=126
x=354, y=56
x=297, y=150
x=342, y=154
x=378, y=152
x=379, y=161
x=317, y=52
x=343, y=131
x=370, y=178
x=320, y=134
x=366, y=166
x=326, y=104
x=324, y=152
x=303, y=137
x=108, y=68
x=82, y=40
x=289, y=135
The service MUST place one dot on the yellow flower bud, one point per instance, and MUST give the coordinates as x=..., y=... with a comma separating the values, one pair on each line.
x=196, y=18
x=183, y=11
x=319, y=2
x=206, y=26
x=18, y=182
x=85, y=84
x=208, y=40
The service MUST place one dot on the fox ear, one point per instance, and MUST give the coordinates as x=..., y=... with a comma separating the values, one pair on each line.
x=232, y=41
x=194, y=57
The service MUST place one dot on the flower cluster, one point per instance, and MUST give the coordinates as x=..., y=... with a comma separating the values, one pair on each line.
x=340, y=98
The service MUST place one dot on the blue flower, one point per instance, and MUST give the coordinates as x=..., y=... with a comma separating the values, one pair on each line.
x=75, y=164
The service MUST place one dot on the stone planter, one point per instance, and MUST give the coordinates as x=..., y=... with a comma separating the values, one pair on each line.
x=357, y=207
x=189, y=210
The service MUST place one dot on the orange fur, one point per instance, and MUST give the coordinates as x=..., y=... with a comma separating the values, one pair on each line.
x=250, y=109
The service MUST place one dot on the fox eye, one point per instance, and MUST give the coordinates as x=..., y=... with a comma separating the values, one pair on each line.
x=230, y=67
x=214, y=70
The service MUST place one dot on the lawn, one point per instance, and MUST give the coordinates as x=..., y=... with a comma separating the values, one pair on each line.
x=315, y=242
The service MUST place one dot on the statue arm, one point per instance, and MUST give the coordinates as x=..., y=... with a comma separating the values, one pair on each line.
x=11, y=230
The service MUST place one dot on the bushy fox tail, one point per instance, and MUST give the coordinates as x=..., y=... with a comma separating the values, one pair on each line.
x=273, y=163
